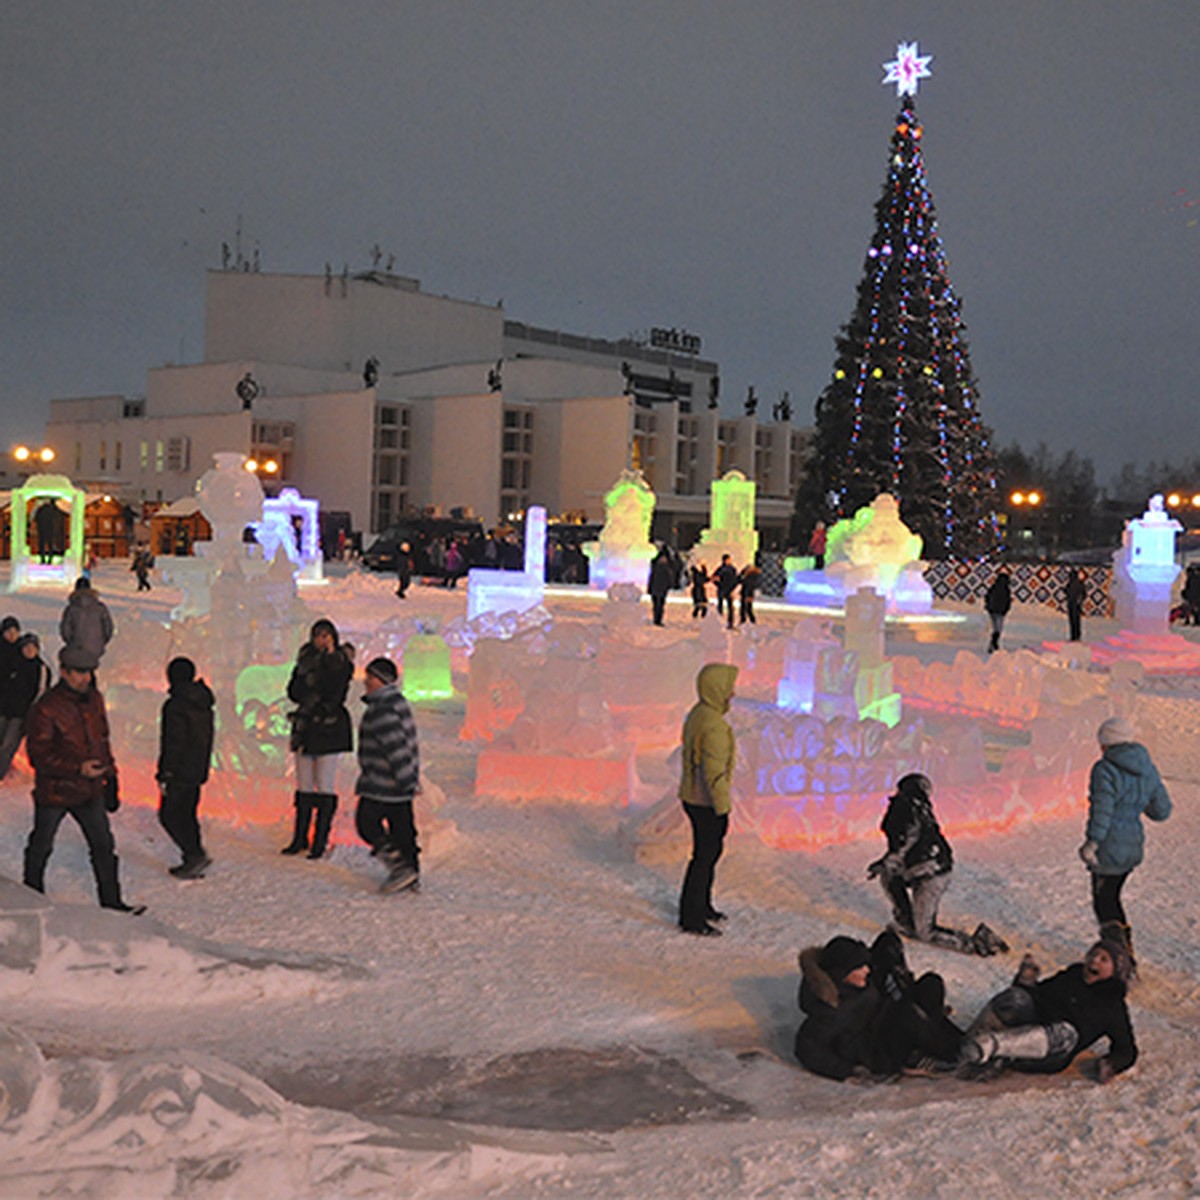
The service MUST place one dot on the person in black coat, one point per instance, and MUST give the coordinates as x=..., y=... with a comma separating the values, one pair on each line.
x=663, y=574
x=23, y=678
x=320, y=732
x=865, y=1014
x=915, y=872
x=1042, y=1026
x=184, y=753
x=998, y=600
x=1075, y=593
x=699, y=579
x=725, y=577
x=747, y=587
x=404, y=570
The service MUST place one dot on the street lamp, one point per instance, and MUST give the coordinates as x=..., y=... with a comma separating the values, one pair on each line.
x=23, y=454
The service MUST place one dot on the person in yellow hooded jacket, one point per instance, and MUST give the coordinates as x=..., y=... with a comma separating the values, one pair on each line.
x=704, y=789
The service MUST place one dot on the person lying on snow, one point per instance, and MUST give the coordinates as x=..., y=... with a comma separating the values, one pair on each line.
x=1042, y=1026
x=915, y=872
x=866, y=1017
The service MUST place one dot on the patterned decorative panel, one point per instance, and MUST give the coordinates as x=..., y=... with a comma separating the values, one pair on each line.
x=1032, y=583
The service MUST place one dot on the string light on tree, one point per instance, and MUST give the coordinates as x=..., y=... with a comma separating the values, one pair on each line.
x=901, y=412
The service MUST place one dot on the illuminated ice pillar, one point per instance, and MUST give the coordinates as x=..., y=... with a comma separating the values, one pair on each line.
x=67, y=565
x=623, y=551
x=427, y=667
x=864, y=636
x=1144, y=570
x=732, y=530
x=797, y=683
x=512, y=591
x=277, y=528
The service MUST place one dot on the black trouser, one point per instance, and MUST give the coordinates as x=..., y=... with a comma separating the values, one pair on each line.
x=388, y=825
x=746, y=611
x=177, y=815
x=658, y=605
x=1075, y=620
x=92, y=819
x=708, y=840
x=1106, y=897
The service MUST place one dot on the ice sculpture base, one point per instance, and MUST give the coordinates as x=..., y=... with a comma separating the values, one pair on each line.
x=511, y=775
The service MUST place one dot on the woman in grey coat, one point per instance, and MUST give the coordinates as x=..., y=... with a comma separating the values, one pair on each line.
x=1124, y=784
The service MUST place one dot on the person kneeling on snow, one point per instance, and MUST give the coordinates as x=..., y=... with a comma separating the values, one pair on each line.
x=1042, y=1026
x=919, y=860
x=865, y=1015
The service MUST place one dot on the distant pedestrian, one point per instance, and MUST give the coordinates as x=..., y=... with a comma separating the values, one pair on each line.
x=184, y=754
x=404, y=570
x=86, y=626
x=747, y=587
x=1074, y=594
x=10, y=634
x=816, y=545
x=998, y=601
x=455, y=564
x=662, y=579
x=725, y=577
x=699, y=579
x=389, y=776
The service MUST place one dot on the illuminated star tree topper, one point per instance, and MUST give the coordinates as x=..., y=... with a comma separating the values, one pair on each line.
x=906, y=68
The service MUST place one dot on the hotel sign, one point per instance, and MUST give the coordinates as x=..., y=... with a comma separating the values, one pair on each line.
x=678, y=340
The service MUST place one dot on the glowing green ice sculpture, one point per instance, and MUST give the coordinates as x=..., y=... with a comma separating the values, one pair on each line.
x=732, y=516
x=65, y=567
x=427, y=668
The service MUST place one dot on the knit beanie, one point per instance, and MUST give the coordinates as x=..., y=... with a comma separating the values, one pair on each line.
x=1119, y=953
x=383, y=669
x=1114, y=731
x=29, y=639
x=9, y=623
x=841, y=955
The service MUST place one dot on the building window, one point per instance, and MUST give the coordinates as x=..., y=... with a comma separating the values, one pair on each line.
x=143, y=455
x=762, y=458
x=645, y=428
x=389, y=464
x=516, y=460
x=160, y=457
x=78, y=457
x=133, y=408
x=117, y=456
x=687, y=456
x=726, y=446
x=103, y=455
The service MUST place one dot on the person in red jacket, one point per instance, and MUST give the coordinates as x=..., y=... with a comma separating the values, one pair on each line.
x=66, y=738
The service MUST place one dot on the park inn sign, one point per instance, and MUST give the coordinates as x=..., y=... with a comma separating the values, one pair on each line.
x=678, y=340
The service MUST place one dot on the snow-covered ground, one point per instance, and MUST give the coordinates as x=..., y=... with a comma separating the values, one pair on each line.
x=531, y=1023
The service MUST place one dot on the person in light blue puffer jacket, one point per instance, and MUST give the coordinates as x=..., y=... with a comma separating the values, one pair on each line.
x=1124, y=784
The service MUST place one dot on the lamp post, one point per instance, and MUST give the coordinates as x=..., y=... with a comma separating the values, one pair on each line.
x=29, y=460
x=1029, y=500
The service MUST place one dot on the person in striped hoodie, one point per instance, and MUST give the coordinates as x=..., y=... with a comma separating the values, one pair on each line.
x=389, y=776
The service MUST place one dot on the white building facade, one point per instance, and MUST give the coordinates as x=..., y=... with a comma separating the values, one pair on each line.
x=382, y=400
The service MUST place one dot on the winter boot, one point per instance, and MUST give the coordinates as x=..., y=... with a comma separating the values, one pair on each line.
x=1030, y=1042
x=326, y=806
x=988, y=942
x=304, y=811
x=402, y=875
x=108, y=887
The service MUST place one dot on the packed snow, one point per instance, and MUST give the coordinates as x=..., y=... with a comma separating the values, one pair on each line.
x=532, y=1022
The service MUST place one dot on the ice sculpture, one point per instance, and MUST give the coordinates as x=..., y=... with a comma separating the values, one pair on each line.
x=60, y=535
x=1144, y=570
x=623, y=551
x=277, y=528
x=874, y=695
x=492, y=591
x=810, y=636
x=426, y=671
x=732, y=515
x=872, y=549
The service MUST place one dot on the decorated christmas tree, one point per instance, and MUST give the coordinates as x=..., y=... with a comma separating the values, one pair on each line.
x=901, y=413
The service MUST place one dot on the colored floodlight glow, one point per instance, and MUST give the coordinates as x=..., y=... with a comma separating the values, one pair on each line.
x=907, y=68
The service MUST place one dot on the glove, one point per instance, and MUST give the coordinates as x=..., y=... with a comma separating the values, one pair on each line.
x=876, y=868
x=1090, y=853
x=1104, y=1070
x=1029, y=971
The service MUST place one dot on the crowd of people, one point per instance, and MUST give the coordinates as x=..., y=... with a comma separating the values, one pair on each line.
x=866, y=1016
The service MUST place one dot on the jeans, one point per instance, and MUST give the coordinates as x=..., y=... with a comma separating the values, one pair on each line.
x=92, y=819
x=12, y=729
x=708, y=841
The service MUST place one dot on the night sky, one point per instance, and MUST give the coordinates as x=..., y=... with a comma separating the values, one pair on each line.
x=607, y=167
